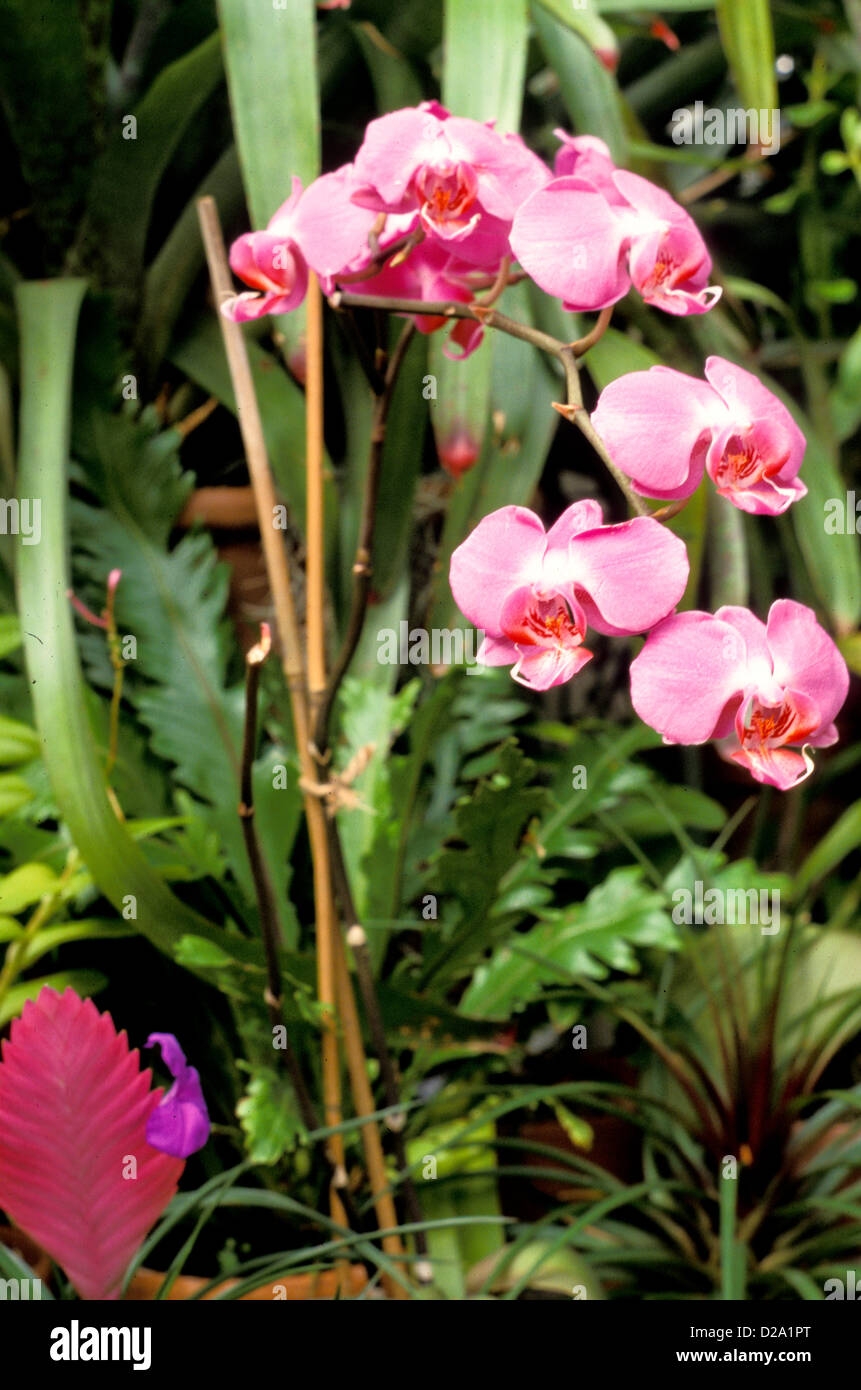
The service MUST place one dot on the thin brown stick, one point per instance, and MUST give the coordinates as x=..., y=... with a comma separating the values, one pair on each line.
x=263, y=889
x=314, y=449
x=575, y=412
x=334, y=986
x=277, y=570
x=363, y=568
x=358, y=943
x=582, y=345
x=449, y=309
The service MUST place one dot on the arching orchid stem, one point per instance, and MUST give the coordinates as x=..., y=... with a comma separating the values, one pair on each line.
x=448, y=309
x=363, y=563
x=277, y=567
x=580, y=418
x=263, y=889
x=492, y=318
x=358, y=942
x=582, y=345
x=499, y=284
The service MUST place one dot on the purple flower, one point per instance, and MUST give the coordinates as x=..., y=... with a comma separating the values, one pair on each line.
x=179, y=1125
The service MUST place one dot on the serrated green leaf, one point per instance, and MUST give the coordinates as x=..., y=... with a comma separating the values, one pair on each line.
x=269, y=1117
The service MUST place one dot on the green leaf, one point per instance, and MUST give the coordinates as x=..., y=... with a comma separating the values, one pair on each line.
x=833, y=561
x=489, y=90
x=91, y=929
x=10, y=930
x=586, y=22
x=18, y=742
x=13, y=1267
x=48, y=313
x=25, y=886
x=10, y=634
x=84, y=982
x=46, y=101
x=589, y=938
x=271, y=59
x=172, y=274
x=269, y=1117
x=843, y=837
x=748, y=39
x=199, y=954
x=588, y=91
x=130, y=171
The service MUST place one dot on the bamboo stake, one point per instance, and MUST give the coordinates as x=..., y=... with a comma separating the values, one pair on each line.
x=332, y=967
x=277, y=570
x=285, y=612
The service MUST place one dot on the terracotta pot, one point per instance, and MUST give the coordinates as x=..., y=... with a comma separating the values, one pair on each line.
x=146, y=1282
x=290, y=1288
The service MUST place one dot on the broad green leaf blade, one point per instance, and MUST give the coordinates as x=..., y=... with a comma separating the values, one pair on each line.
x=130, y=170
x=491, y=89
x=270, y=54
x=589, y=92
x=832, y=557
x=748, y=40
x=585, y=21
x=46, y=102
x=729, y=575
x=172, y=274
x=48, y=314
x=843, y=837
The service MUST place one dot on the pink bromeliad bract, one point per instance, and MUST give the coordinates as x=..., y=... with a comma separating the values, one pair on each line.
x=90, y=1156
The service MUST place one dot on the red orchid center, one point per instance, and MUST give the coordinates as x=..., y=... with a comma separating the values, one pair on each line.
x=741, y=464
x=446, y=191
x=544, y=623
x=773, y=726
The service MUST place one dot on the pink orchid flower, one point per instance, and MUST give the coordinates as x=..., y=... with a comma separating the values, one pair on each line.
x=321, y=229
x=585, y=237
x=533, y=593
x=664, y=428
x=463, y=179
x=89, y=1155
x=771, y=691
x=587, y=157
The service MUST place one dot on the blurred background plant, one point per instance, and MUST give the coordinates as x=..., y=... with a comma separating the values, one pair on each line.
x=507, y=902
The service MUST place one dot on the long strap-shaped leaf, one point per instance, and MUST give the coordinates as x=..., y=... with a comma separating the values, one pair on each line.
x=484, y=69
x=270, y=53
x=48, y=314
